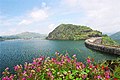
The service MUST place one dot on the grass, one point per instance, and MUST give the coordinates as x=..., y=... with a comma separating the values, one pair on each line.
x=106, y=40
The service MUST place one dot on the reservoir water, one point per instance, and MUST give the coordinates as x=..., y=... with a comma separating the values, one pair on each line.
x=13, y=52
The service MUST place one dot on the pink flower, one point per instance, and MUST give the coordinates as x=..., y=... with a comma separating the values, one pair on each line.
x=30, y=75
x=83, y=66
x=74, y=55
x=78, y=65
x=68, y=60
x=24, y=79
x=7, y=68
x=32, y=67
x=5, y=78
x=24, y=72
x=16, y=68
x=38, y=69
x=34, y=62
x=39, y=63
x=107, y=74
x=88, y=60
x=53, y=59
x=25, y=66
x=41, y=58
x=99, y=77
x=12, y=76
x=84, y=76
x=49, y=74
x=59, y=63
x=91, y=66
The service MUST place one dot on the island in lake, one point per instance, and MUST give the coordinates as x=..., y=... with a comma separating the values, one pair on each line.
x=99, y=42
x=72, y=32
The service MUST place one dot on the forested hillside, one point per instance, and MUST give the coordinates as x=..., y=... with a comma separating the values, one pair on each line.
x=73, y=32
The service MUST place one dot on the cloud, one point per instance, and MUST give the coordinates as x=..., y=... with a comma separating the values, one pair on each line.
x=37, y=14
x=70, y=3
x=25, y=22
x=51, y=27
x=103, y=15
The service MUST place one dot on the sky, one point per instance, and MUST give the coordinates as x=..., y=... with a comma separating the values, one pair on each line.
x=42, y=16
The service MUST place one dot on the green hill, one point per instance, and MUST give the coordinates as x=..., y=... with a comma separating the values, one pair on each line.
x=25, y=35
x=30, y=35
x=108, y=41
x=72, y=32
x=116, y=36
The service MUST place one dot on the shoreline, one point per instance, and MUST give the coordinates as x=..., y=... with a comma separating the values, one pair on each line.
x=94, y=43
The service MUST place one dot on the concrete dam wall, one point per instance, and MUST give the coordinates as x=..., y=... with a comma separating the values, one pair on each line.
x=95, y=44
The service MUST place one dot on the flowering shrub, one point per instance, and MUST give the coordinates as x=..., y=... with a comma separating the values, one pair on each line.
x=60, y=68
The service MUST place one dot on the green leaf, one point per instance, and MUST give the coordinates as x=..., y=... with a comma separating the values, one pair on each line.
x=60, y=79
x=117, y=74
x=87, y=70
x=67, y=77
x=78, y=78
x=74, y=72
x=71, y=77
x=83, y=72
x=65, y=72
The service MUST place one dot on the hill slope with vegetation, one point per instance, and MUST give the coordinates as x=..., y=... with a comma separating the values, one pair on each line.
x=24, y=35
x=116, y=36
x=73, y=32
x=106, y=40
x=29, y=35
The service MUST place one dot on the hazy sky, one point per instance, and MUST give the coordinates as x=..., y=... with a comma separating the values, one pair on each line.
x=43, y=16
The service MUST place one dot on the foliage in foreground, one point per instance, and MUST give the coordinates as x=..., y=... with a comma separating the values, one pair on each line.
x=63, y=68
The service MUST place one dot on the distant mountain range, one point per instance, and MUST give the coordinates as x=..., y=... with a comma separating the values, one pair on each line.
x=73, y=32
x=24, y=35
x=116, y=36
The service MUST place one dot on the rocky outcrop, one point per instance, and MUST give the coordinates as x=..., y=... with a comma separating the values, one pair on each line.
x=95, y=44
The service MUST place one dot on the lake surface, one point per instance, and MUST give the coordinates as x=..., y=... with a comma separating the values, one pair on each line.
x=15, y=52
